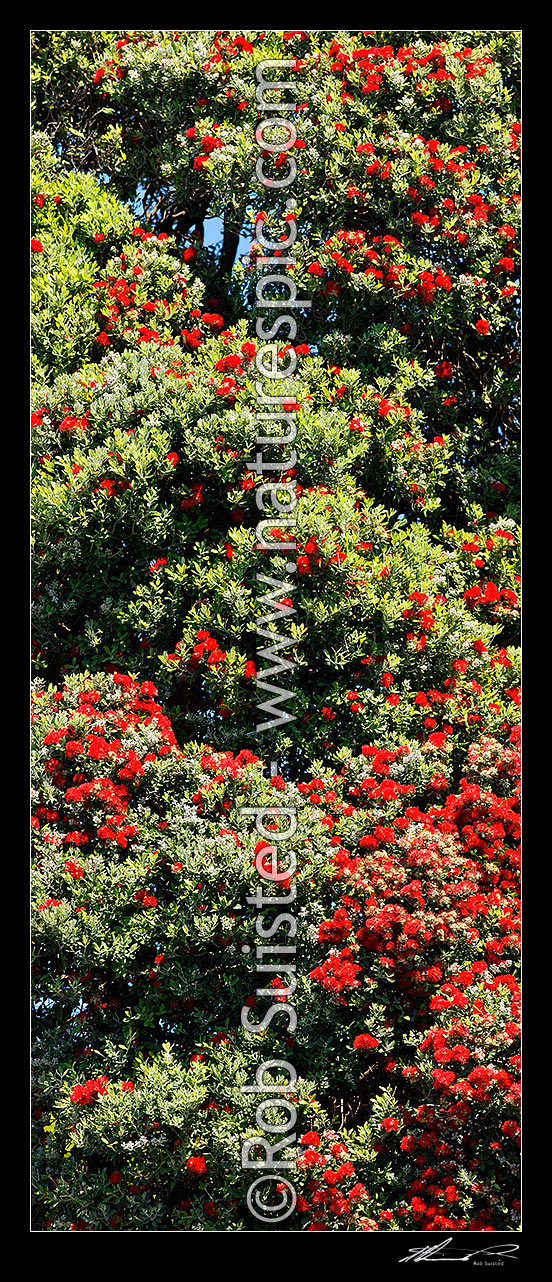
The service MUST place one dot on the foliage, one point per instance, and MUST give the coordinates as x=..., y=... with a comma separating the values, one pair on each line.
x=403, y=622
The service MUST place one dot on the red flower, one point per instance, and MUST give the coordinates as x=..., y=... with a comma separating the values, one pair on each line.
x=88, y=1092
x=209, y=144
x=149, y=901
x=390, y=1124
x=74, y=869
x=311, y=1139
x=365, y=1043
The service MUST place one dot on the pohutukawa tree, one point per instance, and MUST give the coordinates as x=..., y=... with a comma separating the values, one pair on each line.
x=401, y=623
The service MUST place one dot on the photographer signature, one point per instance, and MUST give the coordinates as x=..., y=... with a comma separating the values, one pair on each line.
x=443, y=1251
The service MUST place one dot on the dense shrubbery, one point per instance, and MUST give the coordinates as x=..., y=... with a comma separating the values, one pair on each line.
x=406, y=996
x=402, y=762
